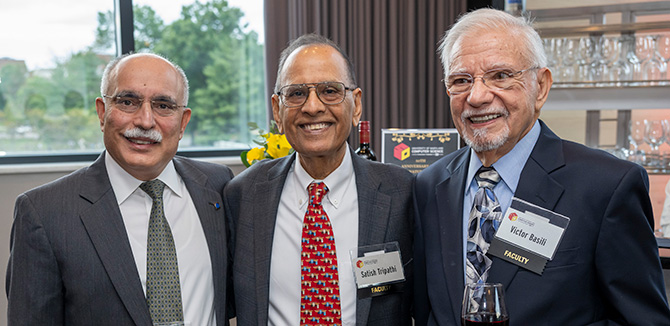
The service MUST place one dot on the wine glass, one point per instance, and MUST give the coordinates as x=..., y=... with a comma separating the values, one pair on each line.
x=631, y=57
x=609, y=51
x=621, y=70
x=636, y=138
x=586, y=58
x=654, y=135
x=643, y=52
x=567, y=53
x=664, y=51
x=654, y=67
x=484, y=304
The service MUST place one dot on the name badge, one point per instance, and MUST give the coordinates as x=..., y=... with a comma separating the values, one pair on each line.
x=378, y=269
x=528, y=235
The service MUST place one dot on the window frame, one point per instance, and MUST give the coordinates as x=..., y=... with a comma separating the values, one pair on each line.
x=125, y=43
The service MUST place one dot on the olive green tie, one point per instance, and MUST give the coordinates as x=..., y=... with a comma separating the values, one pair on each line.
x=163, y=289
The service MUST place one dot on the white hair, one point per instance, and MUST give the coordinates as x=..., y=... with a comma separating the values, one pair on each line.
x=495, y=20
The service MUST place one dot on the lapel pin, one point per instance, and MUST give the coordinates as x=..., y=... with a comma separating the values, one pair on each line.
x=216, y=205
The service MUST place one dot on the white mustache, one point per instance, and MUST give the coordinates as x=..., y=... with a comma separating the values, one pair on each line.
x=151, y=134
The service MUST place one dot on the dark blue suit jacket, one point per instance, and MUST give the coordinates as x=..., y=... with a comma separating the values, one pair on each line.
x=606, y=270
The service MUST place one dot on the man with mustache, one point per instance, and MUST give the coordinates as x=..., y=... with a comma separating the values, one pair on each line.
x=136, y=238
x=603, y=268
x=291, y=267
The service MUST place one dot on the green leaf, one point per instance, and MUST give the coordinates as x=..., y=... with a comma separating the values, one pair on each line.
x=243, y=156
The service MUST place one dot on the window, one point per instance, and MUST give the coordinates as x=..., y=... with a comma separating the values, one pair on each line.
x=51, y=65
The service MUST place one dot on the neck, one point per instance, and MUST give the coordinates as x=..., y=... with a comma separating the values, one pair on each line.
x=319, y=167
x=489, y=157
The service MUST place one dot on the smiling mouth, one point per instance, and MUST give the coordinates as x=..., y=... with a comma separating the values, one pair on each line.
x=141, y=141
x=486, y=118
x=315, y=126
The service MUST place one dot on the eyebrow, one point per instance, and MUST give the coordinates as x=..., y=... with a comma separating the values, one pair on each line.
x=492, y=67
x=132, y=94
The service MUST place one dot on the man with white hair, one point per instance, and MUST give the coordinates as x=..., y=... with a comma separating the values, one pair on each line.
x=566, y=229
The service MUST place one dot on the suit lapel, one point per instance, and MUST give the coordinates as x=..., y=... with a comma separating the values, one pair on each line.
x=373, y=219
x=265, y=217
x=105, y=227
x=537, y=187
x=449, y=198
x=208, y=203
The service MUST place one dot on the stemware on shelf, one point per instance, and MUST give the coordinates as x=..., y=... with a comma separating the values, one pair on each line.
x=654, y=67
x=654, y=135
x=663, y=48
x=636, y=138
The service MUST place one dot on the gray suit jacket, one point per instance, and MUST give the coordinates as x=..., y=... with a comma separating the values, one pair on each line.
x=385, y=215
x=71, y=262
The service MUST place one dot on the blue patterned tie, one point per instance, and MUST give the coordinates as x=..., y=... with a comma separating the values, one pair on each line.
x=484, y=219
x=163, y=289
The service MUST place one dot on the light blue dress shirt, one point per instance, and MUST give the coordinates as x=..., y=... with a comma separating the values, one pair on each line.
x=509, y=167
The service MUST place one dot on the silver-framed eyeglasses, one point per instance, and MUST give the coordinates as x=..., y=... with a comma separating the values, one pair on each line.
x=329, y=93
x=496, y=79
x=131, y=104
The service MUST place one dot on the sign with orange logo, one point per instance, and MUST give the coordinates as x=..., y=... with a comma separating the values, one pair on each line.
x=416, y=149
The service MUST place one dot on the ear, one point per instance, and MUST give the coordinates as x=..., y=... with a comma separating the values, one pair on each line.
x=544, y=82
x=276, y=114
x=185, y=118
x=100, y=108
x=358, y=106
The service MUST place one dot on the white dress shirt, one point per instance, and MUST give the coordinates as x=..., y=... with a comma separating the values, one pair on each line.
x=341, y=205
x=195, y=267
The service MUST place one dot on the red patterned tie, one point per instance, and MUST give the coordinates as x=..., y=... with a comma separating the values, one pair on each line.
x=320, y=301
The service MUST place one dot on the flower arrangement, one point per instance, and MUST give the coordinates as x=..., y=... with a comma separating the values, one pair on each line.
x=272, y=145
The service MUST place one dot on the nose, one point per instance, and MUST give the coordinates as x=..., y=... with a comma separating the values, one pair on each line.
x=313, y=104
x=144, y=117
x=480, y=93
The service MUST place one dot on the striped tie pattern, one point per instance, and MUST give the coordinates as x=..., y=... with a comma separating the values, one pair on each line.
x=484, y=220
x=163, y=289
x=320, y=290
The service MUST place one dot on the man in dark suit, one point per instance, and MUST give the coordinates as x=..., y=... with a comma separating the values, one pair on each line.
x=368, y=203
x=79, y=244
x=605, y=269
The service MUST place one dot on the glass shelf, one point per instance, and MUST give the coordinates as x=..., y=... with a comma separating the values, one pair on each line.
x=608, y=98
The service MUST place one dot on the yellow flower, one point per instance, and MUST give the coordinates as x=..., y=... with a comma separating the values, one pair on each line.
x=255, y=154
x=278, y=146
x=273, y=145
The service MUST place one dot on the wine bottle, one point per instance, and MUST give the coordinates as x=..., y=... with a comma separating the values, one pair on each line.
x=364, y=149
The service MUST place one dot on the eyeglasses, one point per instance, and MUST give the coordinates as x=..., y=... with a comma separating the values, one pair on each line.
x=496, y=79
x=130, y=104
x=329, y=93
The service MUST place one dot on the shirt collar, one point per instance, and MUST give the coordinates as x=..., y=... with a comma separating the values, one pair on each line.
x=125, y=184
x=511, y=164
x=336, y=181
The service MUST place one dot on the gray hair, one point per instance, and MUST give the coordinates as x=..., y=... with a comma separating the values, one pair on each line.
x=110, y=74
x=492, y=19
x=313, y=39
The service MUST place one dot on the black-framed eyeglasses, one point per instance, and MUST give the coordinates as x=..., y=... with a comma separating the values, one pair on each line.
x=496, y=79
x=329, y=93
x=131, y=104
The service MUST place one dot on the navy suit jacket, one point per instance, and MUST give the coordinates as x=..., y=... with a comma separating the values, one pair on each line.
x=606, y=270
x=71, y=262
x=385, y=215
